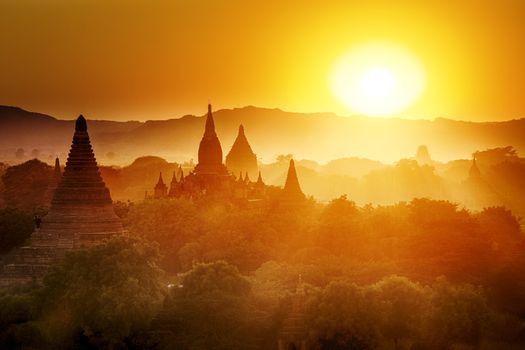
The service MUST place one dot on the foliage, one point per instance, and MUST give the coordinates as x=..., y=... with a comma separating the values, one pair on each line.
x=107, y=291
x=15, y=227
x=27, y=185
x=211, y=308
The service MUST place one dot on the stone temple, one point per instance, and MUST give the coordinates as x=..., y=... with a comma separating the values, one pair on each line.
x=212, y=178
x=81, y=215
x=241, y=158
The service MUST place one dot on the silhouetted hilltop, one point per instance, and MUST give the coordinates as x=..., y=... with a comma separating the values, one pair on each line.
x=319, y=136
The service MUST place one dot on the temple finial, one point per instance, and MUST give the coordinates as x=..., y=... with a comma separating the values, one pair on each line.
x=81, y=124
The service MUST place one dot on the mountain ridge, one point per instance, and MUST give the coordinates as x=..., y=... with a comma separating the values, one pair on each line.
x=321, y=136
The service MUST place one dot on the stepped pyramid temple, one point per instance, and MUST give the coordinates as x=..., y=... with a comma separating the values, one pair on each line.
x=241, y=157
x=81, y=215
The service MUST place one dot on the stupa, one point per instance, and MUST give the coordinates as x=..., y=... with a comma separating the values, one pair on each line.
x=292, y=193
x=241, y=157
x=81, y=215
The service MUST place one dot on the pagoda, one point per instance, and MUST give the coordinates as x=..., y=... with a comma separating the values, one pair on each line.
x=161, y=190
x=81, y=215
x=241, y=157
x=210, y=150
x=292, y=193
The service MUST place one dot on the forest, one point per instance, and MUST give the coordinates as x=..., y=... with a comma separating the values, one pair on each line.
x=423, y=274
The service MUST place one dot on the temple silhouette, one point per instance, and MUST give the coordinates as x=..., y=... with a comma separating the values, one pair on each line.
x=211, y=178
x=81, y=215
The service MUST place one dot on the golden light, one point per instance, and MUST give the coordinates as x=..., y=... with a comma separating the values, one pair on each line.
x=378, y=79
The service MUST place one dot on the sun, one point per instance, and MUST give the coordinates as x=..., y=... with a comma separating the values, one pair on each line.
x=378, y=80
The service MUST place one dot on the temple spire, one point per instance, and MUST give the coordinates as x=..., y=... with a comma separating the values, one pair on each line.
x=174, y=178
x=292, y=189
x=209, y=129
x=474, y=172
x=81, y=124
x=58, y=172
x=161, y=190
x=161, y=181
x=241, y=156
x=210, y=150
x=259, y=179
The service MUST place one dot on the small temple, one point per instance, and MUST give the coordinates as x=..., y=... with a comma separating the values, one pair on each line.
x=81, y=215
x=477, y=192
x=292, y=193
x=241, y=157
x=161, y=190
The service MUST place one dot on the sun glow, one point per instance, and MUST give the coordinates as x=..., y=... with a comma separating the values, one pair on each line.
x=378, y=80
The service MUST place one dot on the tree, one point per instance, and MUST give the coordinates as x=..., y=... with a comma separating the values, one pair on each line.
x=105, y=293
x=459, y=314
x=401, y=304
x=15, y=226
x=27, y=185
x=339, y=226
x=210, y=309
x=342, y=316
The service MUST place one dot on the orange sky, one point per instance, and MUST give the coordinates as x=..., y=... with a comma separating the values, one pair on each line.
x=160, y=59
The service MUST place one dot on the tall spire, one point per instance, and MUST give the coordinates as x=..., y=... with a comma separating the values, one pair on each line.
x=161, y=190
x=160, y=182
x=58, y=172
x=210, y=151
x=259, y=179
x=241, y=156
x=292, y=189
x=209, y=129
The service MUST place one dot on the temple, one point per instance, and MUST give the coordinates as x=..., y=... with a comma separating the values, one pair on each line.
x=477, y=192
x=241, y=157
x=161, y=190
x=81, y=215
x=212, y=179
x=210, y=151
x=292, y=193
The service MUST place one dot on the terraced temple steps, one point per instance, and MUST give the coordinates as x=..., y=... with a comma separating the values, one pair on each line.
x=81, y=215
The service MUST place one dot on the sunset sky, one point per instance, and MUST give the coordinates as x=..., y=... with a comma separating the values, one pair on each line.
x=162, y=59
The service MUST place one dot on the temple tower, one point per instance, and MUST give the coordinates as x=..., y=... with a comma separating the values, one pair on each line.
x=161, y=190
x=81, y=211
x=241, y=156
x=81, y=214
x=292, y=192
x=474, y=172
x=210, y=151
x=58, y=171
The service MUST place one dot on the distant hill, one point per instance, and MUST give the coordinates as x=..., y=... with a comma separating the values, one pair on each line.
x=316, y=136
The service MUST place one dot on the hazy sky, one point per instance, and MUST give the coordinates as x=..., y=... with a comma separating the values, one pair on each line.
x=161, y=59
